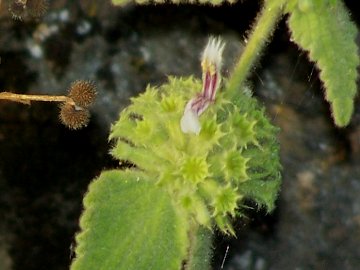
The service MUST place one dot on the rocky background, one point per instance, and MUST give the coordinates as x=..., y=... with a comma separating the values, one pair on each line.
x=45, y=168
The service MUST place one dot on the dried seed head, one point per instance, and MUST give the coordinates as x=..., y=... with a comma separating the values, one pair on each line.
x=83, y=93
x=74, y=117
x=37, y=8
x=17, y=9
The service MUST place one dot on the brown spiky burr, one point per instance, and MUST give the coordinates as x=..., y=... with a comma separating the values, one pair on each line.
x=37, y=8
x=74, y=117
x=17, y=9
x=74, y=111
x=83, y=93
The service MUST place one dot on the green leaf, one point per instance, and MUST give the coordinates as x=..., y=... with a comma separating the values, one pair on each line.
x=263, y=193
x=129, y=223
x=324, y=29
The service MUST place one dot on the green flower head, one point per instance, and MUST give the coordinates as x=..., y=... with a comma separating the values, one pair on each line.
x=206, y=151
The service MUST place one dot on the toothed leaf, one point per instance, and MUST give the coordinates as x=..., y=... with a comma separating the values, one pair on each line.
x=129, y=223
x=262, y=192
x=325, y=30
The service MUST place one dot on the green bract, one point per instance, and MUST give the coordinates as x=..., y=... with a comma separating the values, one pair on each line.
x=235, y=156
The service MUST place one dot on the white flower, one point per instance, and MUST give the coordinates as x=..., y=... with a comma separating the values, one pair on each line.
x=212, y=54
x=189, y=122
x=211, y=62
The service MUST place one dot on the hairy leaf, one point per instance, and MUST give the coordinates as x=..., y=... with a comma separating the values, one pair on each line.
x=324, y=29
x=262, y=192
x=129, y=223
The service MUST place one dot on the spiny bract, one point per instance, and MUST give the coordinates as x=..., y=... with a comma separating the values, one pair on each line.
x=234, y=156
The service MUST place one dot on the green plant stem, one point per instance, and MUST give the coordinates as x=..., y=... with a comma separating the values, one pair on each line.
x=264, y=26
x=199, y=251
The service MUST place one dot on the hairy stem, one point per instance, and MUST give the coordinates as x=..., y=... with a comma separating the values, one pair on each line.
x=26, y=99
x=263, y=28
x=199, y=251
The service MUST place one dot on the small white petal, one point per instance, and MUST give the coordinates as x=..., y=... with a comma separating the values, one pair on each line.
x=189, y=122
x=213, y=52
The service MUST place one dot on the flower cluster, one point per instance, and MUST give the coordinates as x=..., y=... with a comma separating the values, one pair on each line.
x=208, y=163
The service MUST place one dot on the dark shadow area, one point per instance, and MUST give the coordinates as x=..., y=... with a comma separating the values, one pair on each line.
x=45, y=170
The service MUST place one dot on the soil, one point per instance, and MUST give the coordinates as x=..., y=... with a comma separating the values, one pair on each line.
x=45, y=168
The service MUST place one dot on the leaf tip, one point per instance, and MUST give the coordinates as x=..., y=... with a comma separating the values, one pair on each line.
x=342, y=110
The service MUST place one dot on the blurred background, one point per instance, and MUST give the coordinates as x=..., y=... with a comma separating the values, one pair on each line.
x=45, y=168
